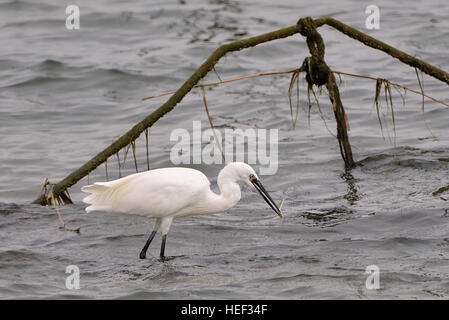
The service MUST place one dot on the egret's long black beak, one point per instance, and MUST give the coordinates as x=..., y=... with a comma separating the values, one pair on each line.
x=264, y=193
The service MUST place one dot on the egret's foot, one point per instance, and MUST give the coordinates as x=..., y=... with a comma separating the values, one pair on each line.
x=165, y=259
x=142, y=255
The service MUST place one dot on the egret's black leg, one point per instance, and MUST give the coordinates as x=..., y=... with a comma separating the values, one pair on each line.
x=164, y=239
x=143, y=253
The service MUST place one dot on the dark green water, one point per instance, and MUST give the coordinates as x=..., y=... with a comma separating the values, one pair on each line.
x=65, y=95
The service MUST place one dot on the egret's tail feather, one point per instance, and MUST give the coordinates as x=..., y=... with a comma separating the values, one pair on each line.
x=91, y=188
x=98, y=194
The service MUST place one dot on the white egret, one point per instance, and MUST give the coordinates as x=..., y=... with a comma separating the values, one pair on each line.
x=169, y=193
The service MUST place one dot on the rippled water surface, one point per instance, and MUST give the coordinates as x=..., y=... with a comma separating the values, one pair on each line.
x=65, y=95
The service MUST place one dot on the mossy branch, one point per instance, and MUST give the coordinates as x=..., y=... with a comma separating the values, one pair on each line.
x=382, y=46
x=60, y=188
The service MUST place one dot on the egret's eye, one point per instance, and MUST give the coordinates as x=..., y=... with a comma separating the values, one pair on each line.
x=252, y=178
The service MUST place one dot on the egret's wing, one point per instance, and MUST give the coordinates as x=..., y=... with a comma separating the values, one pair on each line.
x=154, y=193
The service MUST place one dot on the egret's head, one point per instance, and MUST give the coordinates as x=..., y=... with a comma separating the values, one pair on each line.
x=240, y=171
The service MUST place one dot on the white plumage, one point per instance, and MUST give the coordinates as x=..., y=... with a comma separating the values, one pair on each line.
x=169, y=193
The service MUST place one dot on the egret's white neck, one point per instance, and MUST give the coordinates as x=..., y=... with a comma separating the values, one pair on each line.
x=230, y=192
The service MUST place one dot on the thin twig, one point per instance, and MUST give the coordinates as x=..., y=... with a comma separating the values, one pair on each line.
x=63, y=225
x=203, y=92
x=43, y=187
x=146, y=143
x=106, y=168
x=297, y=98
x=224, y=81
x=295, y=77
x=296, y=70
x=421, y=86
x=119, y=166
x=389, y=101
x=218, y=76
x=133, y=145
x=321, y=113
x=393, y=84
x=126, y=154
